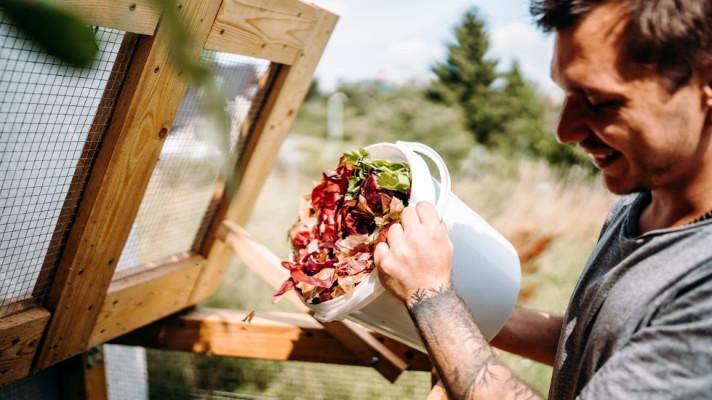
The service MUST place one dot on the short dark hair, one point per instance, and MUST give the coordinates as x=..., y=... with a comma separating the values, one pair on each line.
x=673, y=35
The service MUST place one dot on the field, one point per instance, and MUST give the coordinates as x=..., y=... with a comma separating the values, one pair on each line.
x=552, y=218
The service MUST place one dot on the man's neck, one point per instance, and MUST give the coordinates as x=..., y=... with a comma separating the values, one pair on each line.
x=679, y=205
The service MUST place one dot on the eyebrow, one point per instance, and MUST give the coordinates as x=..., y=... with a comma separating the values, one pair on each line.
x=579, y=89
x=584, y=90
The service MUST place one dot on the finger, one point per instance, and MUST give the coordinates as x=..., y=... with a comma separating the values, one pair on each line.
x=427, y=214
x=395, y=235
x=409, y=218
x=384, y=277
x=380, y=253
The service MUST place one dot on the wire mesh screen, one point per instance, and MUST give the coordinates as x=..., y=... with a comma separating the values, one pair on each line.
x=174, y=375
x=52, y=119
x=126, y=372
x=183, y=183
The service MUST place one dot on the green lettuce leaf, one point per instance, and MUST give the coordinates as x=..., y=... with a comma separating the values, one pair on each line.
x=393, y=176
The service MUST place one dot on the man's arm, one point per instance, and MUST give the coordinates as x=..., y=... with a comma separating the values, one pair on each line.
x=531, y=334
x=416, y=266
x=465, y=362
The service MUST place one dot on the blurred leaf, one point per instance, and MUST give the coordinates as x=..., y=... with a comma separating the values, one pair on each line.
x=211, y=98
x=59, y=32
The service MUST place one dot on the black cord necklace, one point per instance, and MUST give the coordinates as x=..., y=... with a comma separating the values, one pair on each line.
x=703, y=217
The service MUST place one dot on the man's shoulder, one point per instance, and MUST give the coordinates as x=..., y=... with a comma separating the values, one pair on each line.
x=621, y=206
x=618, y=211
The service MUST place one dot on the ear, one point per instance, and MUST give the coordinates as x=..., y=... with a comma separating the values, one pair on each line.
x=707, y=92
x=707, y=88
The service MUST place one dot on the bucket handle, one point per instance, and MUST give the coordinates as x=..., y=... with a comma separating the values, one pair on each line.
x=443, y=172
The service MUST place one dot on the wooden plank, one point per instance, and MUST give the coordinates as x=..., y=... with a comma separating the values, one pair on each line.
x=258, y=258
x=19, y=338
x=268, y=336
x=95, y=384
x=136, y=16
x=416, y=359
x=145, y=109
x=17, y=305
x=356, y=338
x=275, y=30
x=367, y=348
x=272, y=126
x=83, y=377
x=137, y=300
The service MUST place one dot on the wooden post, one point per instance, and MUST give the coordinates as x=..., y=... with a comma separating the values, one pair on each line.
x=288, y=91
x=278, y=336
x=83, y=377
x=136, y=16
x=138, y=299
x=144, y=112
x=19, y=338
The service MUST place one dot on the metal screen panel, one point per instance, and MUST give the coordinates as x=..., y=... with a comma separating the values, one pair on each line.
x=181, y=188
x=52, y=119
x=126, y=372
x=179, y=375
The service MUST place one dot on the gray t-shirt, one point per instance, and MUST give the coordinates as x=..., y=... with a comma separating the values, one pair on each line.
x=639, y=323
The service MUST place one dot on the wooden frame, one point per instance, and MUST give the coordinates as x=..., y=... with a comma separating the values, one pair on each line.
x=87, y=304
x=279, y=336
x=83, y=377
x=135, y=16
x=144, y=112
x=279, y=31
x=156, y=291
x=19, y=338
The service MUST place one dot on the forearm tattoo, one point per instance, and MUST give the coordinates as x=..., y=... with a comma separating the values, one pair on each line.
x=465, y=362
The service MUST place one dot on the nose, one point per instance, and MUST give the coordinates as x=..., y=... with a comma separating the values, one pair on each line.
x=572, y=123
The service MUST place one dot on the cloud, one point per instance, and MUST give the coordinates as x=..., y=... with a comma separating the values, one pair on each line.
x=531, y=48
x=400, y=41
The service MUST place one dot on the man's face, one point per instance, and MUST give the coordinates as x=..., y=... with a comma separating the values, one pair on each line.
x=639, y=134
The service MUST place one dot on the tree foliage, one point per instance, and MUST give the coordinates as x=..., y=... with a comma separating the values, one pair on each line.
x=376, y=112
x=502, y=110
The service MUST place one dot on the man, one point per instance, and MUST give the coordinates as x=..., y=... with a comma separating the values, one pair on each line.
x=637, y=75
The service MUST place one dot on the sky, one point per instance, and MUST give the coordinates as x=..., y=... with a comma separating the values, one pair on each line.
x=399, y=40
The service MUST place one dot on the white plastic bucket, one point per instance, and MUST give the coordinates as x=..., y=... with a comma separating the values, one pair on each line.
x=486, y=270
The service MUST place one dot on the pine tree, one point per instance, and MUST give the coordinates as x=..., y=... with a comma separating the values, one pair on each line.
x=466, y=77
x=503, y=111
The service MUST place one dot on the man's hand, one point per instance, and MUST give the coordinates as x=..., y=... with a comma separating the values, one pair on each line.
x=416, y=266
x=417, y=255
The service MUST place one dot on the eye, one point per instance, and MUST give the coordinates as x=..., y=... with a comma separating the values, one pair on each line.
x=600, y=105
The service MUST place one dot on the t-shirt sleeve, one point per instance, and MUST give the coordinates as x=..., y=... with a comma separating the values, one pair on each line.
x=670, y=358
x=616, y=210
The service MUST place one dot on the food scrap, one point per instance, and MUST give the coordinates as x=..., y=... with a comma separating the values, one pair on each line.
x=248, y=317
x=340, y=222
